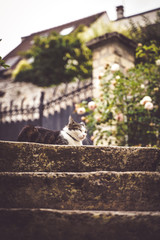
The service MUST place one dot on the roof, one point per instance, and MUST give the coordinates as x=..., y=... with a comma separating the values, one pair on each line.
x=83, y=21
x=27, y=41
x=96, y=42
x=139, y=14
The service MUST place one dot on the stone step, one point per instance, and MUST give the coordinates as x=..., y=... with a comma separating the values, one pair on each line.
x=123, y=191
x=30, y=157
x=32, y=224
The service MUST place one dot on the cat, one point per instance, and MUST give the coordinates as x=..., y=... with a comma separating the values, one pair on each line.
x=72, y=134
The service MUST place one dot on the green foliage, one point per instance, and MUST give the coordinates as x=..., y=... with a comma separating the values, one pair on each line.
x=99, y=28
x=147, y=54
x=57, y=59
x=146, y=32
x=128, y=108
x=22, y=66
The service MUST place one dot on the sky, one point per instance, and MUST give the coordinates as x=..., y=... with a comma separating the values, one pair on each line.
x=19, y=18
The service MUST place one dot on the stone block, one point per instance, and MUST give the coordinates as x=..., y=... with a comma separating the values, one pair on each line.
x=40, y=224
x=28, y=157
x=123, y=191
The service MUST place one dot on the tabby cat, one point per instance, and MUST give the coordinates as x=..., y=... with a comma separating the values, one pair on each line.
x=72, y=134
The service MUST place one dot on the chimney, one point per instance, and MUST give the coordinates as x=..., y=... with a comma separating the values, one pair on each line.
x=120, y=12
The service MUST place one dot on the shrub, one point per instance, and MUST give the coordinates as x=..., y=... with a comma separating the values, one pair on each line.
x=128, y=109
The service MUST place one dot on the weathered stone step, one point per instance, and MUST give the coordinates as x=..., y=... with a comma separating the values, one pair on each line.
x=32, y=224
x=129, y=191
x=29, y=157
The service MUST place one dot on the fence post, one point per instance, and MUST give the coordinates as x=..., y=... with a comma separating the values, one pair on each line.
x=1, y=114
x=41, y=108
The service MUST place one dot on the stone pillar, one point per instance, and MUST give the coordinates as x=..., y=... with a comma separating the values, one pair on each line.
x=109, y=49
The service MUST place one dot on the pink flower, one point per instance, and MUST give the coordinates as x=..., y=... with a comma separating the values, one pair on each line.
x=81, y=110
x=158, y=62
x=115, y=67
x=77, y=106
x=148, y=106
x=113, y=82
x=98, y=118
x=142, y=86
x=120, y=117
x=92, y=138
x=101, y=75
x=83, y=118
x=92, y=105
x=145, y=100
x=156, y=89
x=118, y=77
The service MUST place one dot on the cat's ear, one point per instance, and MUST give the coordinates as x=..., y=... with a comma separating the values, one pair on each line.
x=83, y=124
x=70, y=120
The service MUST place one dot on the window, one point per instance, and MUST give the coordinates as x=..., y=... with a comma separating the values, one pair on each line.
x=67, y=31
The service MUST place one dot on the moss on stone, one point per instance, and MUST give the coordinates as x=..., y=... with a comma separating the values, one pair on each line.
x=29, y=157
x=131, y=191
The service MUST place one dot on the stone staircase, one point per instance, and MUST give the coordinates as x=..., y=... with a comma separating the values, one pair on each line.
x=79, y=193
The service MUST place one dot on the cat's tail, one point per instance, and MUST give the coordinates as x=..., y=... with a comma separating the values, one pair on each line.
x=27, y=133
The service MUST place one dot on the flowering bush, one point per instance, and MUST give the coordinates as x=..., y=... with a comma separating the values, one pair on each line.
x=128, y=108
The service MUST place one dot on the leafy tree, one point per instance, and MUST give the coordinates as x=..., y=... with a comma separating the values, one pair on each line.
x=57, y=59
x=128, y=108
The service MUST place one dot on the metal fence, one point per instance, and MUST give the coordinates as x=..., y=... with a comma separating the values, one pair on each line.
x=52, y=114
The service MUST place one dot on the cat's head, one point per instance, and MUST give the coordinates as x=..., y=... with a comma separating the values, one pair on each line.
x=77, y=130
